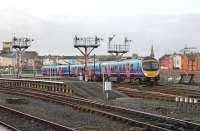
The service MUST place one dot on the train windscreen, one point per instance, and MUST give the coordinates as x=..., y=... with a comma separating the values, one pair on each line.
x=150, y=66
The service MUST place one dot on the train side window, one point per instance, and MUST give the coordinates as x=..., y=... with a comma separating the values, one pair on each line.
x=127, y=66
x=132, y=67
x=123, y=67
x=102, y=68
x=119, y=67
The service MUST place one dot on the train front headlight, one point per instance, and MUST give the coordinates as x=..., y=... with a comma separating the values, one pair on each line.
x=146, y=74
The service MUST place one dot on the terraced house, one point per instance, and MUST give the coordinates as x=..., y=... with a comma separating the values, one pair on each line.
x=187, y=60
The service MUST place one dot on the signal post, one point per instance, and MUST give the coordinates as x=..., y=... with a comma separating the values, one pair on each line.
x=86, y=45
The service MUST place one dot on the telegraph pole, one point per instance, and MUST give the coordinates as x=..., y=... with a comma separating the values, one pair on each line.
x=20, y=45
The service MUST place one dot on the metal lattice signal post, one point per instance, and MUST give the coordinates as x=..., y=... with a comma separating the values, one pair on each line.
x=86, y=45
x=118, y=49
x=20, y=45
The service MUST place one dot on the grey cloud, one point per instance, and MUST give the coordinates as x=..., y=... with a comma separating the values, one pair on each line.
x=168, y=33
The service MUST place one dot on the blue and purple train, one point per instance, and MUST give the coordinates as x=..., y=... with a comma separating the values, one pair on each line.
x=139, y=69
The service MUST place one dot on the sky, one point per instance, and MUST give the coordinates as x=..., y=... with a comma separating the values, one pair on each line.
x=168, y=25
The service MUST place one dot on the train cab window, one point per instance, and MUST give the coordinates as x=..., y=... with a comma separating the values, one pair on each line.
x=150, y=65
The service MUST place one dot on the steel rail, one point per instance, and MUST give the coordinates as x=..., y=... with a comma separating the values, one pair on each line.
x=10, y=127
x=30, y=117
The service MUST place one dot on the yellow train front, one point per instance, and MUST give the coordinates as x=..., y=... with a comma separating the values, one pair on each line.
x=150, y=69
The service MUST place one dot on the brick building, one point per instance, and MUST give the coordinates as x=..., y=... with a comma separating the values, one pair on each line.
x=185, y=62
x=166, y=62
x=191, y=62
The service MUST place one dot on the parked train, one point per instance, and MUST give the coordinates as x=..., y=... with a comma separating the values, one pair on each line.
x=146, y=69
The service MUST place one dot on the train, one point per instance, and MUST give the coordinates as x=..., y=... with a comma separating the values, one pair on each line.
x=145, y=69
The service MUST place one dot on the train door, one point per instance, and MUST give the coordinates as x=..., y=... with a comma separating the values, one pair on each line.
x=54, y=71
x=98, y=70
x=109, y=70
x=120, y=69
x=50, y=71
x=47, y=71
x=132, y=70
x=127, y=70
x=59, y=71
x=64, y=70
x=76, y=70
x=90, y=69
x=72, y=70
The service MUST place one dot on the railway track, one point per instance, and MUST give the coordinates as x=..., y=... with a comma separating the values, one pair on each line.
x=10, y=127
x=136, y=118
x=166, y=93
x=18, y=121
x=146, y=94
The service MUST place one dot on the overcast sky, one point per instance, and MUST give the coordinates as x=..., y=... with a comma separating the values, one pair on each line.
x=169, y=25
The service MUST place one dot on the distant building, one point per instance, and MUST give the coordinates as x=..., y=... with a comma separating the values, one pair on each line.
x=191, y=62
x=30, y=59
x=189, y=50
x=135, y=56
x=7, y=61
x=166, y=62
x=177, y=61
x=187, y=60
x=7, y=47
